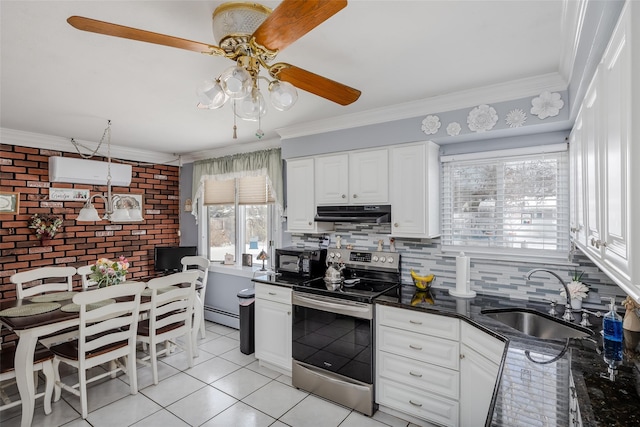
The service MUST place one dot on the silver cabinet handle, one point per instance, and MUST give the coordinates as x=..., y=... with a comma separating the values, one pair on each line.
x=415, y=347
x=413, y=374
x=415, y=404
x=415, y=322
x=272, y=293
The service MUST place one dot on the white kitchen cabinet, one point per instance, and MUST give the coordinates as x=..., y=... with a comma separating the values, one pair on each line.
x=357, y=178
x=603, y=133
x=435, y=368
x=273, y=327
x=480, y=356
x=301, y=208
x=417, y=369
x=415, y=190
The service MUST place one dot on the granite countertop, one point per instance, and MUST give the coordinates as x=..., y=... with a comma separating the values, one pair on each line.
x=534, y=386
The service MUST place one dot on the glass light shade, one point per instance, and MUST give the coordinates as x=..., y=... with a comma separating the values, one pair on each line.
x=120, y=214
x=283, y=95
x=88, y=213
x=211, y=95
x=236, y=82
x=252, y=107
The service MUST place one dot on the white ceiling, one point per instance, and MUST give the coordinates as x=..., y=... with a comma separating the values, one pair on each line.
x=59, y=81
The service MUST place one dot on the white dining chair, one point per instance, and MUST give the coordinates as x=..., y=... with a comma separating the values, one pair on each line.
x=170, y=317
x=42, y=361
x=201, y=265
x=85, y=272
x=43, y=277
x=107, y=333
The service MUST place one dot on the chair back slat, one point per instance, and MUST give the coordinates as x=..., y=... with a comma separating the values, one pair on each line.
x=43, y=275
x=111, y=323
x=85, y=272
x=175, y=305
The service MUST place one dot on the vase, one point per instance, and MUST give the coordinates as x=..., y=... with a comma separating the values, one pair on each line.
x=576, y=303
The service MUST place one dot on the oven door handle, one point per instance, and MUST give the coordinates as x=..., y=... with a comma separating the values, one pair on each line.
x=361, y=311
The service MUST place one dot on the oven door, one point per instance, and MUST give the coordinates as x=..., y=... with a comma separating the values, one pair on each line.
x=334, y=335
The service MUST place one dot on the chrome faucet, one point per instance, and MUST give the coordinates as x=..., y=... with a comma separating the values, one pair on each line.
x=568, y=315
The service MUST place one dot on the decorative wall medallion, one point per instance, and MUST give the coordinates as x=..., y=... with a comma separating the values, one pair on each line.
x=482, y=118
x=454, y=129
x=516, y=118
x=546, y=105
x=431, y=124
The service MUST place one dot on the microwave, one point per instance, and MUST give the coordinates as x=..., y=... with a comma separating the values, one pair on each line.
x=303, y=262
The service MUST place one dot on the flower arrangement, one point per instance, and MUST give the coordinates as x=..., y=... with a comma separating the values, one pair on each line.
x=107, y=273
x=45, y=226
x=577, y=289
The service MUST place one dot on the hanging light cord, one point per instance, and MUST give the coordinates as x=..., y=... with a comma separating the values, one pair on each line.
x=105, y=135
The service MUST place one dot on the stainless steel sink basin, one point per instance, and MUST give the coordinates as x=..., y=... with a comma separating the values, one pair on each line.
x=536, y=324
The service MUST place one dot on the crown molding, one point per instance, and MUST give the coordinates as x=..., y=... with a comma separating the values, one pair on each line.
x=502, y=92
x=57, y=143
x=573, y=16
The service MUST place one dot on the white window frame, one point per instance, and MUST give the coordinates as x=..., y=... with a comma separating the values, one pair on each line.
x=560, y=256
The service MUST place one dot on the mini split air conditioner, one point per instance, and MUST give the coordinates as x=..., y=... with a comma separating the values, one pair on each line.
x=81, y=171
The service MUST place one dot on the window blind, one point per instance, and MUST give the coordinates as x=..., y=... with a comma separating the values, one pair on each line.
x=251, y=190
x=516, y=202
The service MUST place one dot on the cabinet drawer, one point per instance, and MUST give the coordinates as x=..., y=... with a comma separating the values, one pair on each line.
x=488, y=346
x=428, y=377
x=424, y=348
x=273, y=293
x=413, y=401
x=415, y=321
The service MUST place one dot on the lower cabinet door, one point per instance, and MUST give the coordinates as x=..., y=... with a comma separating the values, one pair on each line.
x=273, y=333
x=417, y=402
x=478, y=378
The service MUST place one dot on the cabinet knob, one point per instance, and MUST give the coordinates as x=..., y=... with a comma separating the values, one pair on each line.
x=395, y=224
x=344, y=196
x=355, y=196
x=289, y=313
x=310, y=223
x=461, y=356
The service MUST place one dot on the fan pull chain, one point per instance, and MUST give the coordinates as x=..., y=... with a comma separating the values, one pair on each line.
x=235, y=135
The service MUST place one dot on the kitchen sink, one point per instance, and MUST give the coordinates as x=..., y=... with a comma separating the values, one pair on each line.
x=536, y=324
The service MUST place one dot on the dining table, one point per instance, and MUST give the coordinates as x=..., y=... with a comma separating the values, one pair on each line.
x=25, y=317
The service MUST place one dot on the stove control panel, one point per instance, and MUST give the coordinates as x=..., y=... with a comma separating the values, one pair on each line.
x=366, y=259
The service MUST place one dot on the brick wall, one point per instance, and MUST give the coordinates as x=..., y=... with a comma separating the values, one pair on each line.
x=25, y=170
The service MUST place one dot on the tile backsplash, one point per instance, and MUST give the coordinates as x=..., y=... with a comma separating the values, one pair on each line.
x=487, y=276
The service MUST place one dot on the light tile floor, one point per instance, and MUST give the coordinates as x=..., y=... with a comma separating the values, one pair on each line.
x=224, y=388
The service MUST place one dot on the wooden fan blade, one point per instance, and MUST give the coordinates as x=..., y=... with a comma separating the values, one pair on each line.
x=318, y=85
x=109, y=29
x=293, y=19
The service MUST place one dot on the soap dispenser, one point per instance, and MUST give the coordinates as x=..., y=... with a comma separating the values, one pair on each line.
x=612, y=342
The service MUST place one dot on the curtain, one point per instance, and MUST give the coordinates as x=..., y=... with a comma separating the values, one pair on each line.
x=264, y=162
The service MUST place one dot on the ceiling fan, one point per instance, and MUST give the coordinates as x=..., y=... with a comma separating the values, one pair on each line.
x=251, y=35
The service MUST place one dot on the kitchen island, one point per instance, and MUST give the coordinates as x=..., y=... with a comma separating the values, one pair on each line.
x=535, y=385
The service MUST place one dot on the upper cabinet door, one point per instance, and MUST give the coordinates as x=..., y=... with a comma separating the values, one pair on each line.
x=369, y=177
x=301, y=209
x=332, y=180
x=356, y=178
x=615, y=177
x=415, y=190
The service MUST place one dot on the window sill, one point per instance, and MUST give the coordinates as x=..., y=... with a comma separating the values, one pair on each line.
x=495, y=257
x=234, y=269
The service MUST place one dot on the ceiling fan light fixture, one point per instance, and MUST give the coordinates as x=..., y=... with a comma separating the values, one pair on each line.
x=252, y=107
x=236, y=82
x=211, y=95
x=236, y=19
x=282, y=95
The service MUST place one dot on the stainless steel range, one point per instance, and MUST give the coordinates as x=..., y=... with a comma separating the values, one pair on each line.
x=333, y=327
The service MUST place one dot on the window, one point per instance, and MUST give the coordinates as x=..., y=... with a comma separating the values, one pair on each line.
x=509, y=202
x=240, y=214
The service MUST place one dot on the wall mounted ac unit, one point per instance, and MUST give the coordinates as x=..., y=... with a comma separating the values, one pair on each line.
x=82, y=171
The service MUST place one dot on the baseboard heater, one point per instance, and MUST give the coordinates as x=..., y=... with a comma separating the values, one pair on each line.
x=221, y=316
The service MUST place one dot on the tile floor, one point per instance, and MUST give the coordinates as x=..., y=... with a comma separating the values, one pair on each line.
x=223, y=388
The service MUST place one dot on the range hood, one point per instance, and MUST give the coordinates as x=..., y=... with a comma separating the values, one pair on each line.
x=376, y=214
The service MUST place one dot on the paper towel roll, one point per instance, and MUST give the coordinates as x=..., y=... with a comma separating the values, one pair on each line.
x=463, y=277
